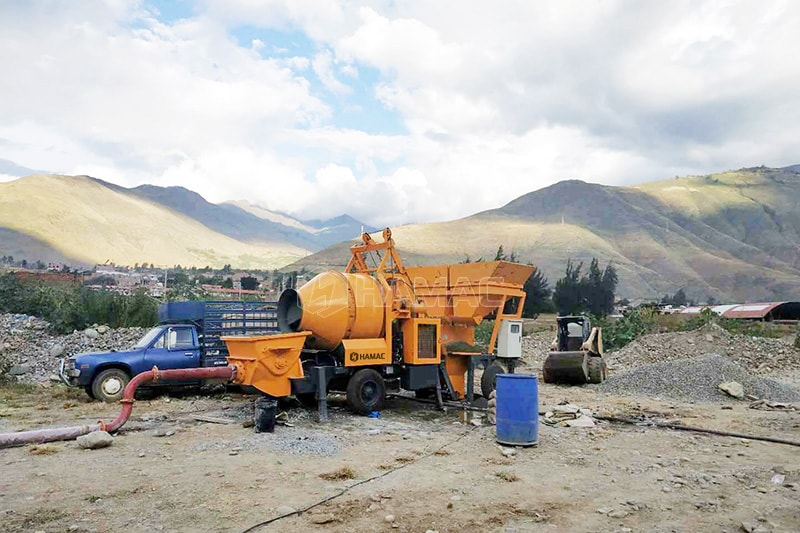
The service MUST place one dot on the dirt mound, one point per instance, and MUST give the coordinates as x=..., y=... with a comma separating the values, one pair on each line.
x=30, y=352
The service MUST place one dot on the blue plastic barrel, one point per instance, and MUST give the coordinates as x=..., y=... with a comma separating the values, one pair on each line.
x=517, y=410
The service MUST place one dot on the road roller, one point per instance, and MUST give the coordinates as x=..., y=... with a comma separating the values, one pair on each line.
x=380, y=326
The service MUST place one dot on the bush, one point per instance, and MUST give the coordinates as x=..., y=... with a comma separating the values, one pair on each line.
x=71, y=307
x=633, y=324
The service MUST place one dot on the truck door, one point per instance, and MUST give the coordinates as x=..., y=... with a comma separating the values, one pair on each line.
x=176, y=348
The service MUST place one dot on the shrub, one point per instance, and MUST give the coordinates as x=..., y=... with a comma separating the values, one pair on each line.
x=633, y=324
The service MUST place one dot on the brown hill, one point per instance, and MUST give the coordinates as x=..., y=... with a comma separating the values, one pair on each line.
x=733, y=236
x=85, y=221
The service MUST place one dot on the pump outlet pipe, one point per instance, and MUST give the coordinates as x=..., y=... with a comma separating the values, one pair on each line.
x=39, y=436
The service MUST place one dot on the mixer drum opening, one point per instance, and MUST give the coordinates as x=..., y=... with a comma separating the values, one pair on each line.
x=290, y=311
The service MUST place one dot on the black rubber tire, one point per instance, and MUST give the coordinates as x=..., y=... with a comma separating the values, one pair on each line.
x=489, y=378
x=108, y=385
x=546, y=376
x=596, y=367
x=89, y=393
x=366, y=391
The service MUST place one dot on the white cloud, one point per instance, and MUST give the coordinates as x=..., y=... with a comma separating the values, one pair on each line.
x=496, y=99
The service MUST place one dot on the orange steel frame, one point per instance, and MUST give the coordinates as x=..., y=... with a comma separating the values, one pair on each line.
x=403, y=300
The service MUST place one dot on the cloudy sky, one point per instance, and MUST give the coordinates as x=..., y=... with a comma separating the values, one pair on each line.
x=390, y=111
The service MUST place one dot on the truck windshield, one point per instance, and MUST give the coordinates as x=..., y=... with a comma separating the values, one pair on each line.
x=145, y=341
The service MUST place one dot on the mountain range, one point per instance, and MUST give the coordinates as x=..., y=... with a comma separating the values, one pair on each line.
x=733, y=236
x=81, y=220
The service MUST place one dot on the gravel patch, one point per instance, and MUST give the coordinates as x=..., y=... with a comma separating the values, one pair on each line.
x=291, y=441
x=695, y=379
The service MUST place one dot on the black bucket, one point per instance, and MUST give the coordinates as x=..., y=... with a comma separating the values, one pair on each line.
x=265, y=414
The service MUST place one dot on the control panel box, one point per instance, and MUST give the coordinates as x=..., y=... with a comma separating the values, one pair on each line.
x=509, y=339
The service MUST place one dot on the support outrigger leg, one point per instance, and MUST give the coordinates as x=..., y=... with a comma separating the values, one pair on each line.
x=322, y=392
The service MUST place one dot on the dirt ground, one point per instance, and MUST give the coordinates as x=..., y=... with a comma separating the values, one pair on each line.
x=452, y=476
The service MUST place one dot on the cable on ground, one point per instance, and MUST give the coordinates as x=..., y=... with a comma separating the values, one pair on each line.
x=354, y=485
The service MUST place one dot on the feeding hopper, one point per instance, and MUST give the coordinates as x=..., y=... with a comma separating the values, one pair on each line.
x=469, y=291
x=267, y=362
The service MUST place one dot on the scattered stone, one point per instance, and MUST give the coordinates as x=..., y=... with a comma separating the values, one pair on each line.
x=91, y=333
x=102, y=330
x=233, y=452
x=618, y=513
x=163, y=432
x=95, y=440
x=389, y=518
x=508, y=452
x=284, y=510
x=323, y=518
x=581, y=422
x=732, y=388
x=19, y=370
x=57, y=350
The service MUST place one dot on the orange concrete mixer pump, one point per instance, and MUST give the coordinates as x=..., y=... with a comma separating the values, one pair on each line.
x=370, y=328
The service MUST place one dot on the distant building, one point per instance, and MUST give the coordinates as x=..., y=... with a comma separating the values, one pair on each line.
x=768, y=311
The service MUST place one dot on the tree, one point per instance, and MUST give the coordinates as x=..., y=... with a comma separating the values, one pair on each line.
x=569, y=294
x=594, y=288
x=594, y=292
x=537, y=299
x=500, y=255
x=249, y=283
x=227, y=284
x=609, y=287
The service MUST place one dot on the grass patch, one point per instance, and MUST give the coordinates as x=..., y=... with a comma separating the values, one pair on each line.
x=404, y=459
x=33, y=519
x=340, y=474
x=441, y=452
x=42, y=449
x=507, y=476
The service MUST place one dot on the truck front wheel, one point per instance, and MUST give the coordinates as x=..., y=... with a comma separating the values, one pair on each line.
x=108, y=385
x=366, y=391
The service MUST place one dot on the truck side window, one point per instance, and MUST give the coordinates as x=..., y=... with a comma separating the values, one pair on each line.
x=180, y=339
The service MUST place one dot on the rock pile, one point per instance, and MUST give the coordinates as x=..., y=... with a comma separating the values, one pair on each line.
x=695, y=379
x=30, y=352
x=536, y=346
x=758, y=355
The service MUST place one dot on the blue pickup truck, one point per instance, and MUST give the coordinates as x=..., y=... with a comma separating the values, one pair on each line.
x=188, y=336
